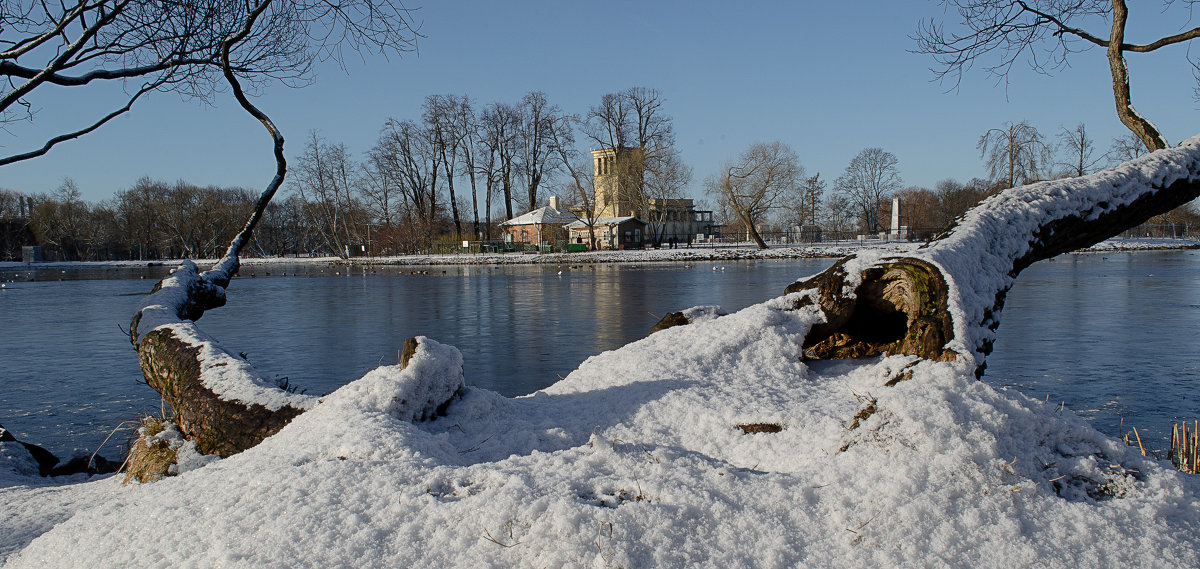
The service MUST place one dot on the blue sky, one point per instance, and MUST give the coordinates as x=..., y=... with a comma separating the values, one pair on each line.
x=827, y=78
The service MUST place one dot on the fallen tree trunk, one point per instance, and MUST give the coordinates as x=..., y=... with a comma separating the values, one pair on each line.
x=944, y=300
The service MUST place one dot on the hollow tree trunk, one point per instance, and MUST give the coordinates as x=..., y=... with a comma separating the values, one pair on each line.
x=943, y=301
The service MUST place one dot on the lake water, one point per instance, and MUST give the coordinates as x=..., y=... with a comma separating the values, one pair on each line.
x=1111, y=335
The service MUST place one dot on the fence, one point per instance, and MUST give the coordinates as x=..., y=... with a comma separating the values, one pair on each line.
x=1163, y=231
x=795, y=238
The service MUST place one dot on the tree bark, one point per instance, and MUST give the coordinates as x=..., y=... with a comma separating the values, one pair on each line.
x=1141, y=126
x=758, y=240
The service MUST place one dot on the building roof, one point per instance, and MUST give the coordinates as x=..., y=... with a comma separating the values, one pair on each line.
x=603, y=221
x=542, y=216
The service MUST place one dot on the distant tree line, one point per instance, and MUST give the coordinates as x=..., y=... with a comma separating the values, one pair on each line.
x=460, y=169
x=151, y=220
x=767, y=191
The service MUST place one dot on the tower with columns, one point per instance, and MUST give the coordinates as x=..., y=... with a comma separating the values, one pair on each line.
x=613, y=170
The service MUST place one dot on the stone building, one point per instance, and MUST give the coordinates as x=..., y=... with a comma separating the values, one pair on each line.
x=544, y=227
x=617, y=196
x=611, y=233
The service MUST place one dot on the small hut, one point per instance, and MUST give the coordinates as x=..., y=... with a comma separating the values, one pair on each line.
x=542, y=227
x=611, y=233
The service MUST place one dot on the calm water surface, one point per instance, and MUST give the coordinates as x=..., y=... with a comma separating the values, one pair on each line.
x=1113, y=336
x=68, y=374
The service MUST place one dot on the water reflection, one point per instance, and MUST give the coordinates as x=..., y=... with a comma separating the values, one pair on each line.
x=520, y=328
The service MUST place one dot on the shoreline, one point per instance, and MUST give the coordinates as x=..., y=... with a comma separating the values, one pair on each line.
x=730, y=253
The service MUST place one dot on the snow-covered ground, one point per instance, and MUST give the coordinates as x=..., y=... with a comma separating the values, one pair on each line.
x=744, y=251
x=710, y=444
x=636, y=459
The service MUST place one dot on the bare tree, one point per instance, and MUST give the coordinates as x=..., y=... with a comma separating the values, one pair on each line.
x=838, y=211
x=380, y=187
x=1080, y=150
x=582, y=184
x=652, y=128
x=325, y=178
x=804, y=205
x=608, y=124
x=955, y=198
x=1016, y=153
x=581, y=189
x=160, y=328
x=541, y=126
x=498, y=125
x=283, y=230
x=633, y=125
x=196, y=221
x=465, y=128
x=140, y=215
x=919, y=210
x=870, y=178
x=1046, y=33
x=666, y=179
x=753, y=184
x=1125, y=148
x=412, y=162
x=445, y=135
x=181, y=47
x=58, y=219
x=944, y=300
x=12, y=204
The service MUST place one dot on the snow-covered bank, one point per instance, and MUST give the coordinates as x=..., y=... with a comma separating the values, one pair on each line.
x=745, y=252
x=636, y=460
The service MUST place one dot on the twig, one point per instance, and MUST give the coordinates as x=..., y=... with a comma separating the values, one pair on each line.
x=488, y=536
x=92, y=459
x=599, y=534
x=477, y=446
x=864, y=524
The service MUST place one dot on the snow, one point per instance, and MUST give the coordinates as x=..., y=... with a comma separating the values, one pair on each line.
x=722, y=252
x=978, y=254
x=635, y=460
x=229, y=377
x=540, y=216
x=232, y=378
x=638, y=458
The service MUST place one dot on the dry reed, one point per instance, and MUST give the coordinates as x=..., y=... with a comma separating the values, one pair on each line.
x=1184, y=444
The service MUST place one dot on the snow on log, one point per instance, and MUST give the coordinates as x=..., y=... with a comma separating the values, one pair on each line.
x=220, y=402
x=421, y=388
x=223, y=405
x=944, y=300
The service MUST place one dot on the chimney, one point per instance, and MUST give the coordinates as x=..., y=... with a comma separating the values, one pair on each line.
x=554, y=203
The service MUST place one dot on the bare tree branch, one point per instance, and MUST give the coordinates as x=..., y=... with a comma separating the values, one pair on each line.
x=1044, y=32
x=76, y=134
